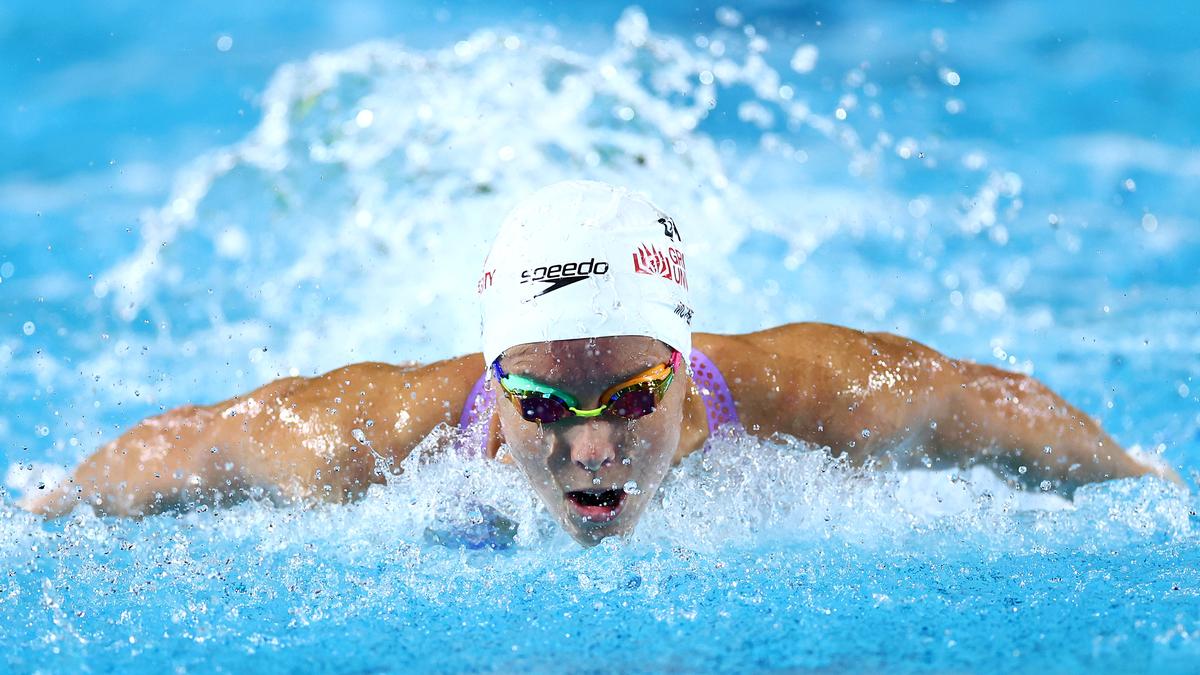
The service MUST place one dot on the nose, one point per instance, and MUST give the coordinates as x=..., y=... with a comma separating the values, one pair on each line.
x=592, y=446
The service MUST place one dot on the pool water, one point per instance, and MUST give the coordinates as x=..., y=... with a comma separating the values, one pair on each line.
x=192, y=205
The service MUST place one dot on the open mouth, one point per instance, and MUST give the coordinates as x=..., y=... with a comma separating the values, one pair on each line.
x=597, y=506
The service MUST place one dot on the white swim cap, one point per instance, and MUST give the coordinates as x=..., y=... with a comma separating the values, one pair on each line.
x=582, y=259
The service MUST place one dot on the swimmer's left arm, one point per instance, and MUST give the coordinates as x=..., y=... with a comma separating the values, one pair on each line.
x=882, y=397
x=1018, y=425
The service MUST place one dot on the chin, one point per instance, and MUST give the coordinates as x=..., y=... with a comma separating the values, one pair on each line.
x=589, y=528
x=590, y=535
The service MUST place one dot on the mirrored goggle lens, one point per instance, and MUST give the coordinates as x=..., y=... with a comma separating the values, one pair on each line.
x=542, y=410
x=633, y=403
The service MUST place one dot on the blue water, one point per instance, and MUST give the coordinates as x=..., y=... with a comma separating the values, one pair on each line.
x=195, y=201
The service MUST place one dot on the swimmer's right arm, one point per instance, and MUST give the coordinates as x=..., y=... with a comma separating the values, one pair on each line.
x=325, y=438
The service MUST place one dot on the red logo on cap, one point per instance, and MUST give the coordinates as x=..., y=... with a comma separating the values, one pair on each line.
x=485, y=281
x=647, y=259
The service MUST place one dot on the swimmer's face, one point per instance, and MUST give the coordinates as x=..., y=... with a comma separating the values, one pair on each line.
x=596, y=475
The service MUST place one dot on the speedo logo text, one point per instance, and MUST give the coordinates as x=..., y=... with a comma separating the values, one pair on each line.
x=563, y=274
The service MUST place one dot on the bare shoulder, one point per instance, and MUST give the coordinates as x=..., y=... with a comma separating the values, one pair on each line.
x=371, y=379
x=417, y=396
x=329, y=429
x=302, y=438
x=828, y=345
x=826, y=383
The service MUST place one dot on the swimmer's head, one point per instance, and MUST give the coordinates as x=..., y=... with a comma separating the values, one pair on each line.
x=582, y=259
x=584, y=289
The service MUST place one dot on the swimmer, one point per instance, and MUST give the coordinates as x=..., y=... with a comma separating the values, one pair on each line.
x=593, y=381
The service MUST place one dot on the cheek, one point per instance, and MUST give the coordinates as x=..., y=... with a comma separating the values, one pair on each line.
x=527, y=444
x=659, y=438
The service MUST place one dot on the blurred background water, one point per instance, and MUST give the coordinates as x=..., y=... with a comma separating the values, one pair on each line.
x=195, y=200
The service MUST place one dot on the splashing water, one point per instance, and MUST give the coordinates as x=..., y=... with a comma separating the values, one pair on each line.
x=813, y=177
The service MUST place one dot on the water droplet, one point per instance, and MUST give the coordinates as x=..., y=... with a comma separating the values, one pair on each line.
x=28, y=328
x=866, y=433
x=805, y=58
x=1045, y=486
x=1021, y=469
x=729, y=17
x=359, y=435
x=1047, y=450
x=631, y=487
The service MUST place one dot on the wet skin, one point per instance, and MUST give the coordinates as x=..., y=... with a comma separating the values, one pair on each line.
x=597, y=455
x=869, y=396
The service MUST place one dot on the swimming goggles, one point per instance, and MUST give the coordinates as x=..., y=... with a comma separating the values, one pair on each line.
x=636, y=397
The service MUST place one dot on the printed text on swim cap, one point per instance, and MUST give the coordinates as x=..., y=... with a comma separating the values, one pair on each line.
x=563, y=274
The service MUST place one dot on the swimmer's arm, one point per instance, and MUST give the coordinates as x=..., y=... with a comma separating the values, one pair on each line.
x=149, y=468
x=294, y=438
x=1019, y=426
x=882, y=397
